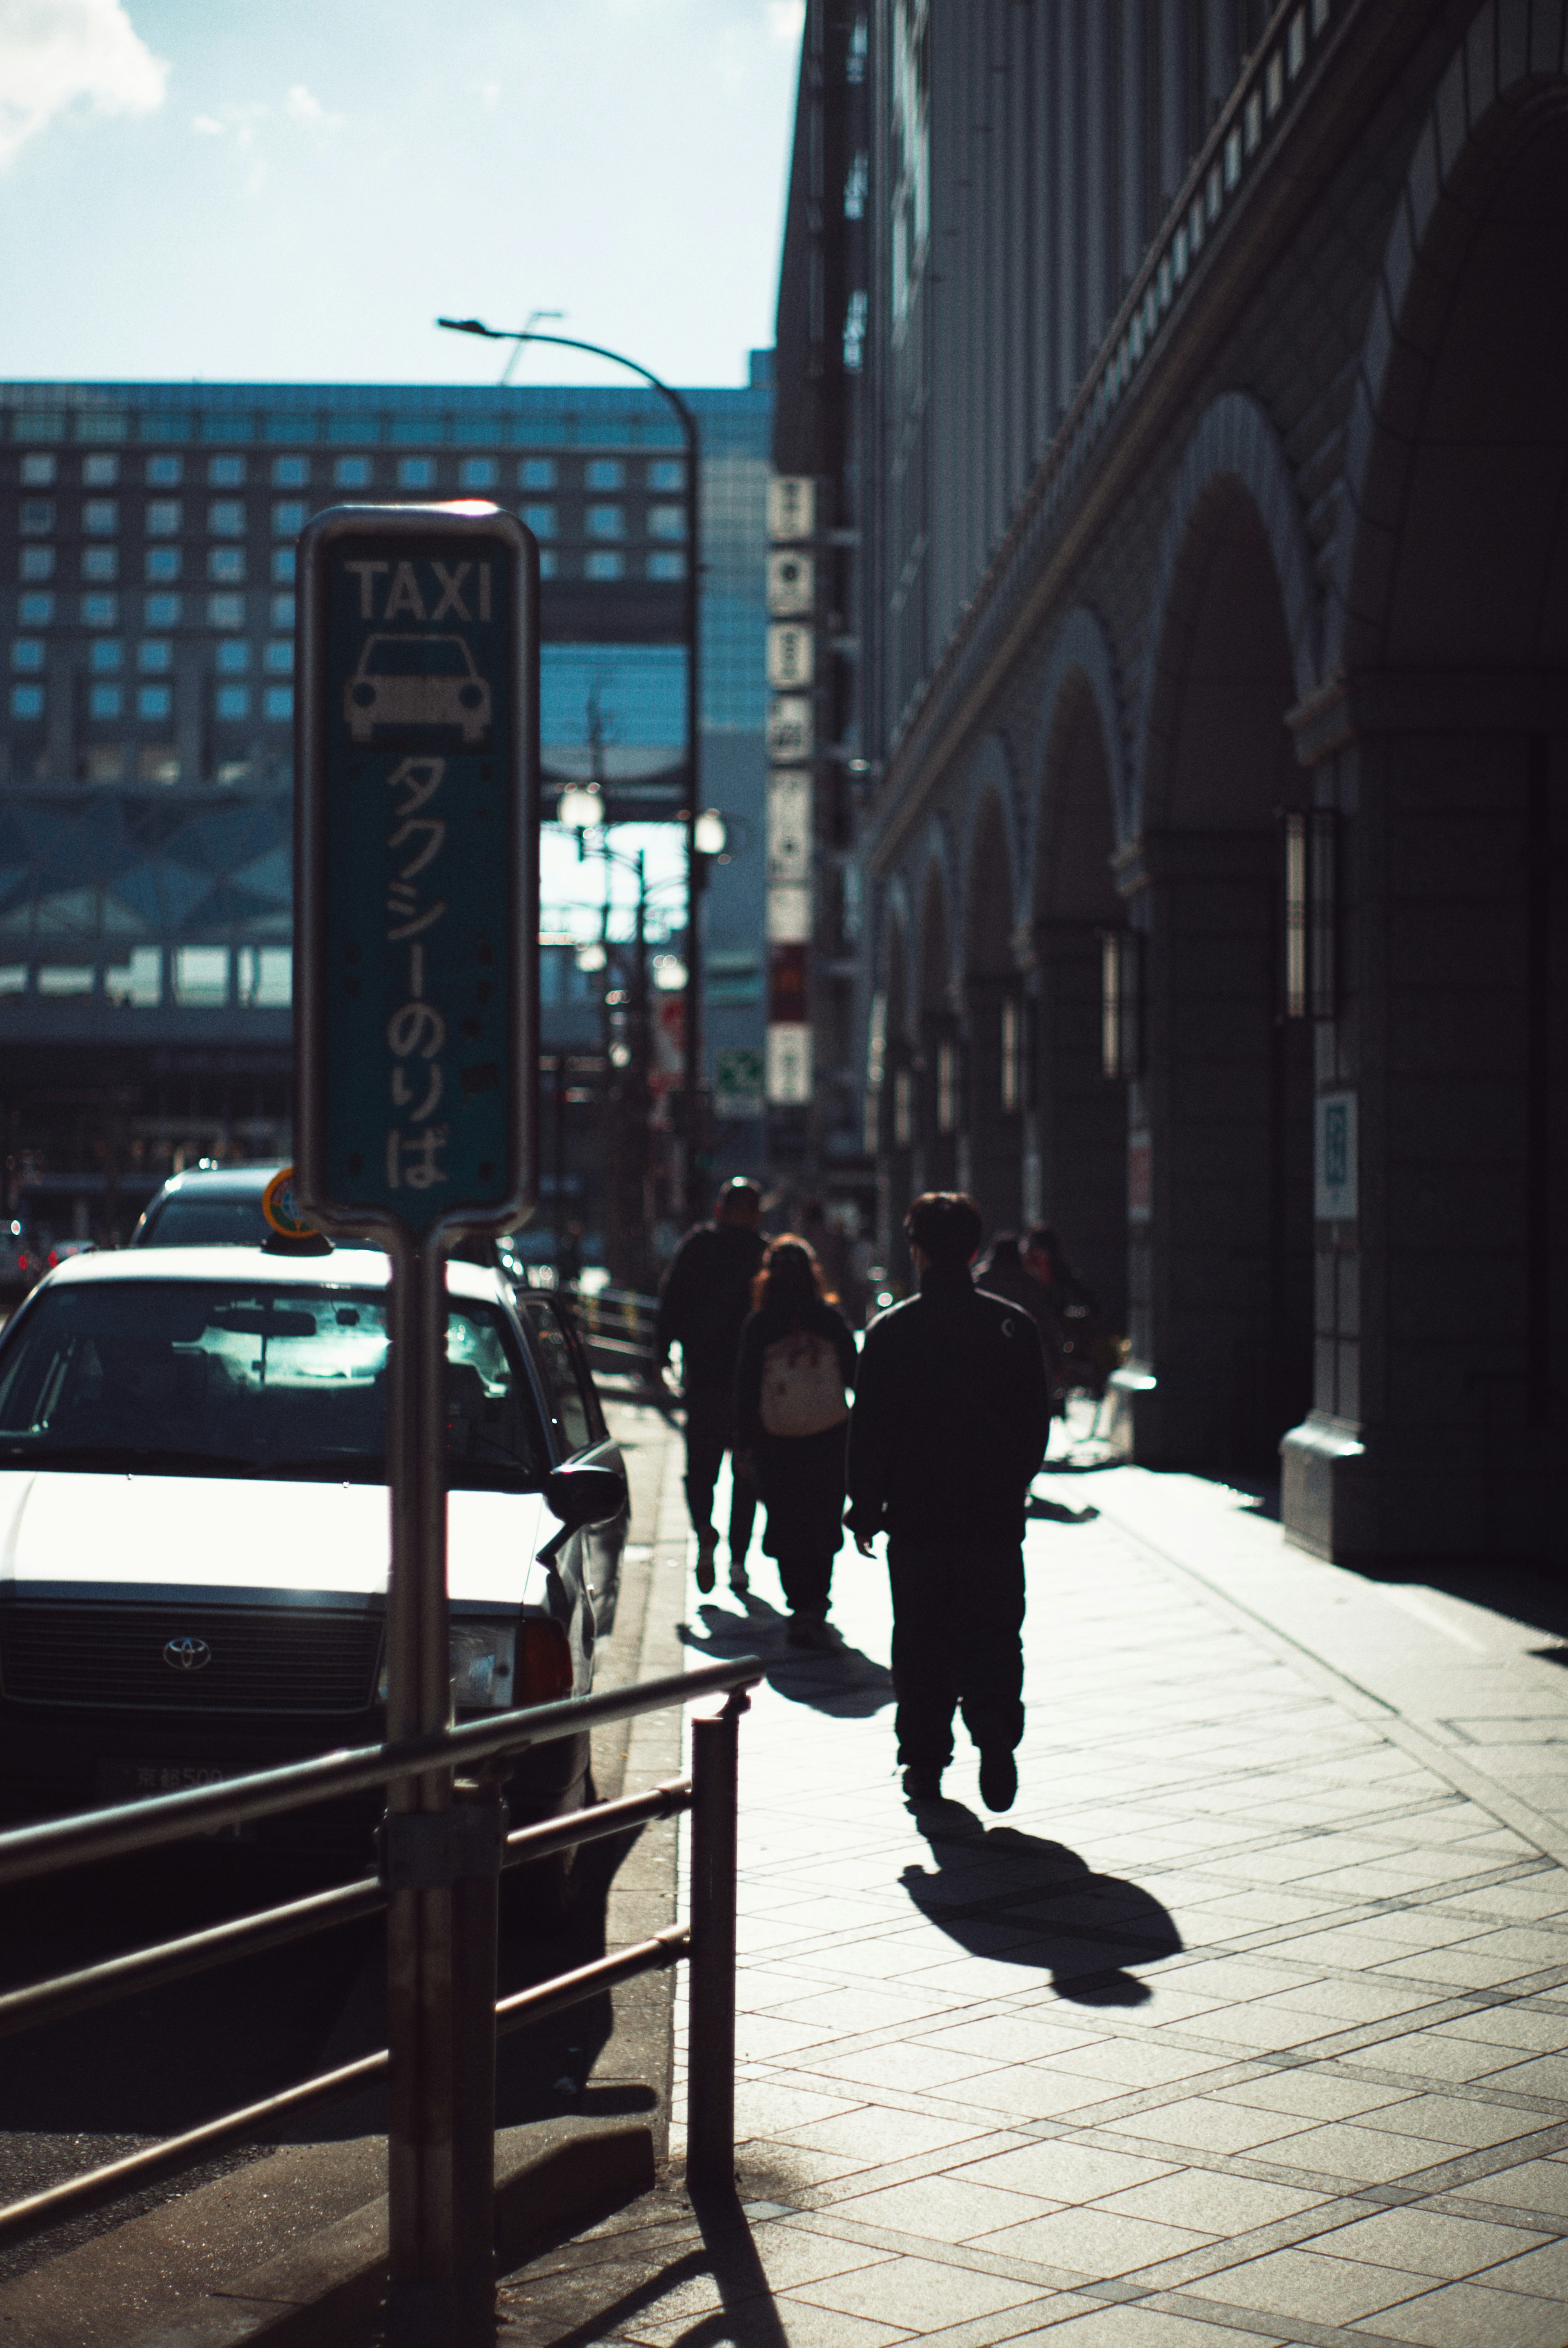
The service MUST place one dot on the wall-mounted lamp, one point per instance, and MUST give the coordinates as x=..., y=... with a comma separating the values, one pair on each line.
x=1121, y=1005
x=1308, y=972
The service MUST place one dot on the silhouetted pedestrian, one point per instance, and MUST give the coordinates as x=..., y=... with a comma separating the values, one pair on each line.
x=1086, y=1356
x=703, y=1301
x=1003, y=1271
x=951, y=1416
x=796, y=1358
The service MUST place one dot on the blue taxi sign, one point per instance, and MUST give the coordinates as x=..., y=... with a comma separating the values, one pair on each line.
x=417, y=872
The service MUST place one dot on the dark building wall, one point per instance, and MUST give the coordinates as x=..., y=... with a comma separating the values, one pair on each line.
x=1214, y=476
x=1054, y=139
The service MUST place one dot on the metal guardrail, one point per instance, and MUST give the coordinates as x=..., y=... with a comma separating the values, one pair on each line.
x=457, y=1843
x=617, y=1326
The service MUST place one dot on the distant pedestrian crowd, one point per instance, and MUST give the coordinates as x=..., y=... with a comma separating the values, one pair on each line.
x=931, y=1433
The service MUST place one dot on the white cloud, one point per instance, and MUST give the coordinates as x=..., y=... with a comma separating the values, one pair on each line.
x=238, y=122
x=64, y=57
x=786, y=19
x=302, y=106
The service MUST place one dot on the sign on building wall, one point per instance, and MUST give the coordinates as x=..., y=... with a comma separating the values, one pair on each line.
x=790, y=1065
x=791, y=506
x=791, y=743
x=739, y=1074
x=789, y=916
x=792, y=583
x=417, y=911
x=791, y=654
x=790, y=731
x=1334, y=1158
x=789, y=827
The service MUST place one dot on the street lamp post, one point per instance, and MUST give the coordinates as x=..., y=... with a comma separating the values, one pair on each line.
x=696, y=860
x=581, y=810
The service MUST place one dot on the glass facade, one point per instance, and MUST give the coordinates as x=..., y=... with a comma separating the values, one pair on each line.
x=147, y=602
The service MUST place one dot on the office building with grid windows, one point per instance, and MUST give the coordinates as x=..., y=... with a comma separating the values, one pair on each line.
x=147, y=600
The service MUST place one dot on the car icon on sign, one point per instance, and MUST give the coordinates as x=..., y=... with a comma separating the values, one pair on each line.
x=415, y=681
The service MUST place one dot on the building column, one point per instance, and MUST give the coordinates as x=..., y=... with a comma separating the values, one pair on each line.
x=1218, y=1153
x=992, y=1170
x=1437, y=1428
x=1081, y=1116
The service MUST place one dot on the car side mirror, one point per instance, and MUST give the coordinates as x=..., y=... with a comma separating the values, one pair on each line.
x=584, y=1495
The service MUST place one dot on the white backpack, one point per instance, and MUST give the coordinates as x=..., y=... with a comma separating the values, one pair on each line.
x=802, y=1386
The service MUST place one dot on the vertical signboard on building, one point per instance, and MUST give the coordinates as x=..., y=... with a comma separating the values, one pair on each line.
x=791, y=744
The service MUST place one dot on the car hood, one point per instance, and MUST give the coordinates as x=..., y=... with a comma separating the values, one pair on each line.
x=234, y=1537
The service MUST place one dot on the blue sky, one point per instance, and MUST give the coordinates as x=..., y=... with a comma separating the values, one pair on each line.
x=286, y=190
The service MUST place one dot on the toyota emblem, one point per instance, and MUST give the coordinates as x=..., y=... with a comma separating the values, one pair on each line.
x=187, y=1654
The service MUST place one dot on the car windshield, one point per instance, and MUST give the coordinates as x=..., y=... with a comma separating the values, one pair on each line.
x=196, y=1221
x=416, y=656
x=246, y=1378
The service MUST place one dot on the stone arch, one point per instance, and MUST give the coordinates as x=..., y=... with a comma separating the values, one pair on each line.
x=1498, y=116
x=897, y=1110
x=935, y=1160
x=1082, y=660
x=987, y=813
x=1232, y=463
x=988, y=887
x=991, y=1136
x=895, y=961
x=1220, y=1252
x=1079, y=1119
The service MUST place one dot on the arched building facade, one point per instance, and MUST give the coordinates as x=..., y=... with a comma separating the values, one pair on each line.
x=1213, y=854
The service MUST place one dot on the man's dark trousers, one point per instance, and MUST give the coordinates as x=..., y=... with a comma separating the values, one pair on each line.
x=957, y=1614
x=711, y=1425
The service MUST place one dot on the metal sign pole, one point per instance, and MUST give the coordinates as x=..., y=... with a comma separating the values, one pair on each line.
x=415, y=1044
x=427, y=2278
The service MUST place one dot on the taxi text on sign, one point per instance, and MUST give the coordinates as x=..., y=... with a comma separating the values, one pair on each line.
x=417, y=890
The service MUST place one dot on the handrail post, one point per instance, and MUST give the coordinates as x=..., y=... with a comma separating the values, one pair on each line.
x=476, y=1902
x=711, y=2089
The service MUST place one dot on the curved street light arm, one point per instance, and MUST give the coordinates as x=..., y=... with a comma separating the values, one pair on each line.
x=696, y=863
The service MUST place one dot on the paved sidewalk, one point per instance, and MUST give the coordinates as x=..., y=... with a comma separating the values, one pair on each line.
x=1249, y=2023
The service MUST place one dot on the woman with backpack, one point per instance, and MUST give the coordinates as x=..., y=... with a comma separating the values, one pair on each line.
x=797, y=1359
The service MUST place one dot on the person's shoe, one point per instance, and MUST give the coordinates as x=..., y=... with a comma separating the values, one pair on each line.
x=921, y=1783
x=812, y=1631
x=998, y=1779
x=706, y=1550
x=740, y=1580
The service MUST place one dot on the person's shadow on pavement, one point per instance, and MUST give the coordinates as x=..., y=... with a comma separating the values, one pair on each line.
x=840, y=1681
x=1020, y=1901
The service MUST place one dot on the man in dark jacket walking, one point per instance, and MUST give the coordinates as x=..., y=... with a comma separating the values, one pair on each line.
x=703, y=1305
x=951, y=1416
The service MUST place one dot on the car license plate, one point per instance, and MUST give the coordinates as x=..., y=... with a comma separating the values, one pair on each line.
x=134, y=1781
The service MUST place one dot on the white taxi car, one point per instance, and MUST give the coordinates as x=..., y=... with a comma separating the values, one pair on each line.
x=194, y=1524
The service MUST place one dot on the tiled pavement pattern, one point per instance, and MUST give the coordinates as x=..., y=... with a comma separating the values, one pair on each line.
x=1248, y=2023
